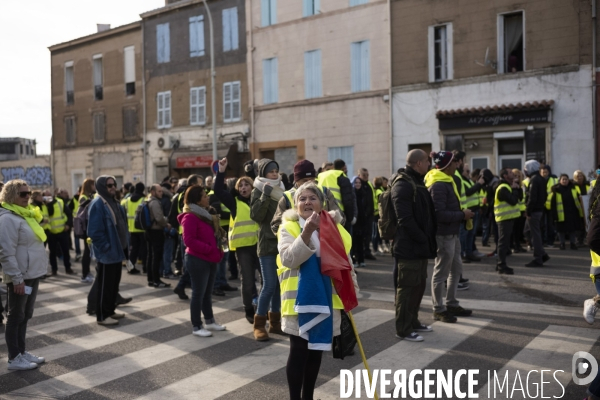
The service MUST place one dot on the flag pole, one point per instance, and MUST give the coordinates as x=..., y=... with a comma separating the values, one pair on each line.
x=362, y=352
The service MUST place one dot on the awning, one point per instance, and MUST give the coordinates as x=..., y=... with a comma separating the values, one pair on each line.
x=511, y=107
x=200, y=159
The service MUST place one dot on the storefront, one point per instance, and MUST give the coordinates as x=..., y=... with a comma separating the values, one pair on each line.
x=185, y=162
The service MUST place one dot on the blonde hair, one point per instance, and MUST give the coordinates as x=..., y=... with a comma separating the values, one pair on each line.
x=519, y=173
x=246, y=179
x=10, y=191
x=577, y=173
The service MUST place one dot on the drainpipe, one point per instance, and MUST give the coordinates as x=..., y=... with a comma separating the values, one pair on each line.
x=390, y=92
x=144, y=136
x=249, y=59
x=594, y=105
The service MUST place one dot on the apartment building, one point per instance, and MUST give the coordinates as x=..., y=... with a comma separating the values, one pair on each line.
x=19, y=160
x=505, y=81
x=178, y=98
x=319, y=75
x=97, y=107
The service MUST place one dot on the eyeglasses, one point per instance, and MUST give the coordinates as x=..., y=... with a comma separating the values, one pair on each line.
x=24, y=194
x=111, y=185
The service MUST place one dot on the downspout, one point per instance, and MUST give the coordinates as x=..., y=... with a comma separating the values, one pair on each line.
x=390, y=91
x=144, y=136
x=594, y=90
x=250, y=60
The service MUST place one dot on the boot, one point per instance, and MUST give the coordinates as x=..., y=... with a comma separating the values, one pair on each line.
x=275, y=323
x=250, y=314
x=260, y=333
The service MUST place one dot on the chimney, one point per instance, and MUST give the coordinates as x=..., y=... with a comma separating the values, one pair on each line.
x=103, y=27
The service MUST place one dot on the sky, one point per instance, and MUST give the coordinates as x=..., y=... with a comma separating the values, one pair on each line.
x=27, y=29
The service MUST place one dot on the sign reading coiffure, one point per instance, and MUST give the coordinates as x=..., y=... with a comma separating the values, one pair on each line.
x=194, y=162
x=508, y=118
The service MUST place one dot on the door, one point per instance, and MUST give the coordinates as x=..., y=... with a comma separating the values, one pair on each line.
x=511, y=153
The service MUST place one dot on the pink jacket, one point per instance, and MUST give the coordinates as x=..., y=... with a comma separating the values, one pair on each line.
x=199, y=238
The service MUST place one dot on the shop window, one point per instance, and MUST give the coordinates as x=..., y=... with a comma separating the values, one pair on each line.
x=479, y=162
x=511, y=43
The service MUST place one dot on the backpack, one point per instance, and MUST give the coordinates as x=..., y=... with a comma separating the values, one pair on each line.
x=143, y=218
x=80, y=222
x=388, y=221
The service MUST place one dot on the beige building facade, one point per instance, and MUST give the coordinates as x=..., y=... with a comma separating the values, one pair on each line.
x=319, y=79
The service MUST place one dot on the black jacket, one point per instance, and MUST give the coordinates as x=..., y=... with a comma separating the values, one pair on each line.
x=347, y=192
x=175, y=206
x=369, y=209
x=536, y=194
x=593, y=233
x=417, y=225
x=511, y=197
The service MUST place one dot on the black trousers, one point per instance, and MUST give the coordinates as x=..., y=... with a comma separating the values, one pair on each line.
x=138, y=248
x=86, y=260
x=367, y=235
x=517, y=235
x=233, y=264
x=107, y=288
x=505, y=229
x=357, y=246
x=155, y=244
x=302, y=369
x=56, y=240
x=249, y=263
x=20, y=311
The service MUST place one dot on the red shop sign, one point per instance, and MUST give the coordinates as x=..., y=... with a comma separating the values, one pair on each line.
x=194, y=162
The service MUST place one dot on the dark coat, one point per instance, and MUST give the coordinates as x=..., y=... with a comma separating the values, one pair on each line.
x=573, y=222
x=536, y=193
x=347, y=192
x=417, y=225
x=262, y=210
x=447, y=208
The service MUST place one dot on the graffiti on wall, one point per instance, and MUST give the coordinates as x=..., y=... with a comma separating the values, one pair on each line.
x=34, y=176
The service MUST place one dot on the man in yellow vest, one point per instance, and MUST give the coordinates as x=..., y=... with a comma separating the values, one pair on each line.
x=549, y=233
x=136, y=236
x=60, y=220
x=535, y=206
x=338, y=183
x=506, y=211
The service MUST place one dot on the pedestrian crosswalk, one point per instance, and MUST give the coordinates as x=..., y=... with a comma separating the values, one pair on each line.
x=152, y=354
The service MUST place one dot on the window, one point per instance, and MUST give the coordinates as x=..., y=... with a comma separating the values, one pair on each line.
x=129, y=122
x=97, y=60
x=21, y=148
x=312, y=74
x=197, y=36
x=361, y=70
x=69, y=83
x=511, y=43
x=270, y=81
x=345, y=153
x=163, y=100
x=70, y=129
x=163, y=44
x=268, y=12
x=440, y=53
x=129, y=59
x=198, y=105
x=98, y=121
x=230, y=29
x=311, y=7
x=479, y=162
x=231, y=102
x=358, y=2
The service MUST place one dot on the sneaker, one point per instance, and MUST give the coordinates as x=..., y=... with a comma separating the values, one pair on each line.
x=462, y=286
x=161, y=285
x=504, y=270
x=34, y=359
x=170, y=276
x=202, y=333
x=181, y=293
x=108, y=321
x=473, y=257
x=228, y=288
x=214, y=327
x=589, y=311
x=122, y=300
x=117, y=316
x=444, y=317
x=463, y=280
x=423, y=328
x=459, y=311
x=87, y=279
x=545, y=257
x=78, y=257
x=218, y=292
x=20, y=363
x=534, y=264
x=413, y=337
x=362, y=265
x=133, y=271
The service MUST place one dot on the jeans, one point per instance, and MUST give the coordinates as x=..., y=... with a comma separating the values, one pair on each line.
x=138, y=249
x=448, y=266
x=562, y=237
x=107, y=289
x=410, y=287
x=20, y=311
x=466, y=237
x=535, y=227
x=202, y=274
x=375, y=238
x=185, y=279
x=167, y=256
x=505, y=229
x=86, y=260
x=248, y=264
x=221, y=279
x=56, y=240
x=77, y=246
x=155, y=242
x=270, y=290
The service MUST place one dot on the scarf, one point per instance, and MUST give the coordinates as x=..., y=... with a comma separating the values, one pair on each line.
x=278, y=188
x=31, y=217
x=207, y=217
x=435, y=175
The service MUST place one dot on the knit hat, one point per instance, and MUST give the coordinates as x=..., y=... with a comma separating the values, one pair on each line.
x=532, y=166
x=304, y=169
x=442, y=158
x=270, y=167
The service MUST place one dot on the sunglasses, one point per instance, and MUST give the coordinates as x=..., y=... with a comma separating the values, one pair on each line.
x=24, y=194
x=111, y=185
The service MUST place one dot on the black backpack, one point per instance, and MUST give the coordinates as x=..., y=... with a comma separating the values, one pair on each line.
x=80, y=222
x=388, y=221
x=143, y=217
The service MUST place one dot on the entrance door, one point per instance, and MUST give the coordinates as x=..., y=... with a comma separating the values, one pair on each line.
x=511, y=153
x=511, y=161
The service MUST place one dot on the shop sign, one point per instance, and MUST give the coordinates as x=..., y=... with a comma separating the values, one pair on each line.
x=510, y=118
x=194, y=162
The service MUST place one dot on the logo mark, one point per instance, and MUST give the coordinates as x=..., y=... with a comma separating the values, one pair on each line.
x=583, y=363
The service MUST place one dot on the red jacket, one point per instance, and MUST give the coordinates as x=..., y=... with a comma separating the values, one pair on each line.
x=199, y=238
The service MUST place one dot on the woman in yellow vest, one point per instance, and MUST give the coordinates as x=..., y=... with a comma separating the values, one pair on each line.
x=243, y=232
x=299, y=244
x=567, y=210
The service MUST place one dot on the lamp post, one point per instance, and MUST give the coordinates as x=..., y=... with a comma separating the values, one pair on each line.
x=212, y=82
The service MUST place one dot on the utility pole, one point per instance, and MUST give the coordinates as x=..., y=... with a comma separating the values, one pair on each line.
x=213, y=74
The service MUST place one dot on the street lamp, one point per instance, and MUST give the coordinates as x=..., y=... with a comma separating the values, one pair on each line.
x=212, y=81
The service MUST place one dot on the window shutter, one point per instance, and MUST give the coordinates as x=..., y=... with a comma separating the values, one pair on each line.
x=98, y=71
x=307, y=75
x=202, y=105
x=355, y=57
x=129, y=55
x=194, y=37
x=226, y=30
x=227, y=102
x=365, y=67
x=267, y=82
x=236, y=101
x=193, y=106
x=307, y=8
x=274, y=81
x=312, y=74
x=317, y=7
x=234, y=28
x=449, y=53
x=317, y=73
x=160, y=110
x=273, y=12
x=168, y=109
x=500, y=39
x=200, y=32
x=167, y=43
x=431, y=52
x=69, y=79
x=264, y=12
x=160, y=44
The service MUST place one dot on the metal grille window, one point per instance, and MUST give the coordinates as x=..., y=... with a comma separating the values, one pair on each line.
x=69, y=83
x=98, y=121
x=163, y=100
x=98, y=95
x=361, y=68
x=198, y=105
x=232, y=102
x=312, y=74
x=70, y=129
x=130, y=122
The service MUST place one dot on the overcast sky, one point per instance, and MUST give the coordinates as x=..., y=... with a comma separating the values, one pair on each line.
x=27, y=29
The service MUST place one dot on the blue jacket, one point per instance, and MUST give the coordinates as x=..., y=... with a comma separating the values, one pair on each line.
x=101, y=229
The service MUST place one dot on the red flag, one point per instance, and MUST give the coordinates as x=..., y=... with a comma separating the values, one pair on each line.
x=334, y=261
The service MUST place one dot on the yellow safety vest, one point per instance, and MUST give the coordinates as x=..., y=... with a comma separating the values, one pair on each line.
x=592, y=183
x=225, y=221
x=526, y=182
x=463, y=195
x=502, y=210
x=560, y=209
x=56, y=223
x=329, y=179
x=522, y=205
x=288, y=277
x=75, y=206
x=376, y=209
x=243, y=231
x=551, y=182
x=481, y=197
x=472, y=200
x=131, y=207
x=176, y=198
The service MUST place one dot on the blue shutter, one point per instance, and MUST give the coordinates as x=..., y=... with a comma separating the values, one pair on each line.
x=312, y=74
x=308, y=75
x=167, y=53
x=273, y=12
x=307, y=8
x=274, y=81
x=358, y=2
x=318, y=90
x=317, y=6
x=264, y=12
x=193, y=37
x=267, y=82
x=365, y=66
x=160, y=44
x=226, y=31
x=355, y=66
x=200, y=31
x=234, y=28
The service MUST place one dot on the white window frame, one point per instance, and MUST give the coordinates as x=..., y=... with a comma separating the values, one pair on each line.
x=101, y=75
x=486, y=158
x=229, y=86
x=500, y=41
x=163, y=113
x=69, y=64
x=199, y=106
x=448, y=73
